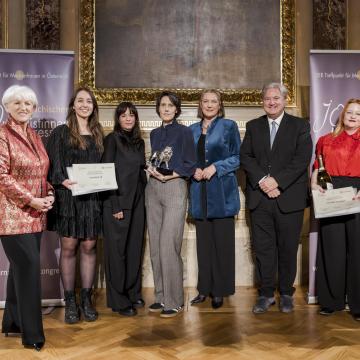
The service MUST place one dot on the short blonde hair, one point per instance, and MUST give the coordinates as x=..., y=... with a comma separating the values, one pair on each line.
x=340, y=124
x=19, y=92
x=221, y=112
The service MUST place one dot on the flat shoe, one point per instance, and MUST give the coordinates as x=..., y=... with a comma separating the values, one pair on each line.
x=198, y=299
x=36, y=346
x=139, y=303
x=128, y=311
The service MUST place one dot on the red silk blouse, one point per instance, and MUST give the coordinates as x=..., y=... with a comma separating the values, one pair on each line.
x=341, y=154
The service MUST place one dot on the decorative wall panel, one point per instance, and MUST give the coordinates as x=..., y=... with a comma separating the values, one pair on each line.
x=43, y=24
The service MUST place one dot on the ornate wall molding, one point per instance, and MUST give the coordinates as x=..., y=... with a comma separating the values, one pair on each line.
x=145, y=96
x=329, y=24
x=43, y=24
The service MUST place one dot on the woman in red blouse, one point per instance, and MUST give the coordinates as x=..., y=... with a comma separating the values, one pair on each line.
x=25, y=197
x=338, y=257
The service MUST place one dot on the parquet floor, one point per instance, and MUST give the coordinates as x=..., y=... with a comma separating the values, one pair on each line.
x=199, y=333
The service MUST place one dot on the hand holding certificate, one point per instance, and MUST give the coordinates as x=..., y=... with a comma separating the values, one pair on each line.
x=90, y=178
x=335, y=202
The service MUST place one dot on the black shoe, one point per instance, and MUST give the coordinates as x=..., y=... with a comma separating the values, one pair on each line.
x=139, y=303
x=326, y=311
x=171, y=312
x=356, y=316
x=72, y=312
x=198, y=299
x=86, y=306
x=156, y=307
x=36, y=346
x=217, y=302
x=263, y=304
x=13, y=329
x=286, y=304
x=128, y=311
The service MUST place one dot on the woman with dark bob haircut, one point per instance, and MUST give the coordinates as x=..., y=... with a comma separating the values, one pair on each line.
x=124, y=212
x=77, y=219
x=173, y=151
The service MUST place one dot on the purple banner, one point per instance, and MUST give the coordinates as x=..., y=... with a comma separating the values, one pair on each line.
x=334, y=79
x=51, y=75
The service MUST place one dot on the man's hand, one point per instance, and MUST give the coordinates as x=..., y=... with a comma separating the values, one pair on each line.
x=268, y=184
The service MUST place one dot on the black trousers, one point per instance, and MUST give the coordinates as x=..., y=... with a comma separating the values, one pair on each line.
x=338, y=258
x=275, y=239
x=23, y=295
x=123, y=248
x=215, y=241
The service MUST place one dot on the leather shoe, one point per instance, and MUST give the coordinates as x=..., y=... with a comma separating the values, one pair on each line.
x=217, y=302
x=128, y=311
x=356, y=316
x=198, y=299
x=263, y=304
x=326, y=311
x=139, y=303
x=286, y=303
x=36, y=346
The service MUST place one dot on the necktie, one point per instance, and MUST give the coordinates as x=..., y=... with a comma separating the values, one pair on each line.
x=272, y=133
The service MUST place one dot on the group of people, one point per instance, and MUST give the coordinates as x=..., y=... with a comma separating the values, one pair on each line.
x=35, y=194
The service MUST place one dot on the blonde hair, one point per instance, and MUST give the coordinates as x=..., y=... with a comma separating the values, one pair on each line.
x=339, y=128
x=221, y=112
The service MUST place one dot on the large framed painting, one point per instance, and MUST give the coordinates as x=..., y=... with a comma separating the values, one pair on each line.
x=132, y=49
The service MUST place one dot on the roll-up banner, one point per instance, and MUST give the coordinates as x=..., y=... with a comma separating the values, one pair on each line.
x=334, y=79
x=51, y=75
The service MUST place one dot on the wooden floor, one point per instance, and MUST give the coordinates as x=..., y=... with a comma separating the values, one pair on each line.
x=231, y=332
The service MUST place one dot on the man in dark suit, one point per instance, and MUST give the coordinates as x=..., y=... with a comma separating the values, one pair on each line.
x=275, y=155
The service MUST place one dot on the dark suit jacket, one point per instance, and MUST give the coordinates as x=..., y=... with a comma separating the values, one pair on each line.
x=129, y=168
x=287, y=161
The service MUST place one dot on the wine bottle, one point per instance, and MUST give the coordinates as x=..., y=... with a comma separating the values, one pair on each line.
x=323, y=178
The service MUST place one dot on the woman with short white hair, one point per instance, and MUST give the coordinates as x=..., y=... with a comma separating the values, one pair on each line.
x=25, y=198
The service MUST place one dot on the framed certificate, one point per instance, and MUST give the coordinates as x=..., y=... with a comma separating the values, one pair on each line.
x=92, y=178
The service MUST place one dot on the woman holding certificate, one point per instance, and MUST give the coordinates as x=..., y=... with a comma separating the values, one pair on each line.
x=77, y=219
x=124, y=212
x=173, y=161
x=338, y=256
x=214, y=198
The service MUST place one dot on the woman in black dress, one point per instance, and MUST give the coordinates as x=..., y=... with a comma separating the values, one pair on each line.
x=76, y=219
x=124, y=212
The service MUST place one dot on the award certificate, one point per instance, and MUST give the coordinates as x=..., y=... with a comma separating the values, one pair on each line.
x=92, y=178
x=335, y=202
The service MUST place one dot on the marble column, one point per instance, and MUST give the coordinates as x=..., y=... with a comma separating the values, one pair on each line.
x=43, y=24
x=329, y=24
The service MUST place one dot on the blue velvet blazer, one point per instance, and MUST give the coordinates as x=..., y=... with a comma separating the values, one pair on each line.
x=222, y=149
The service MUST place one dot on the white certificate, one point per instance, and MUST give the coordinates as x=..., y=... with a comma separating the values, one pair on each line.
x=335, y=202
x=92, y=178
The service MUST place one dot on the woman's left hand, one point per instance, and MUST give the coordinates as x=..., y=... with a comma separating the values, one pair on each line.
x=209, y=172
x=357, y=196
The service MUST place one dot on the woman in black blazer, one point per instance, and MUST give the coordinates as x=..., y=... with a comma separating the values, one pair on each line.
x=124, y=212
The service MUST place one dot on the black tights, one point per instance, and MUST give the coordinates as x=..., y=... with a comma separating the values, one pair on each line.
x=69, y=248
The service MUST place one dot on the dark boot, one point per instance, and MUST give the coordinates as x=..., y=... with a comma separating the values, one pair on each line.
x=72, y=314
x=86, y=306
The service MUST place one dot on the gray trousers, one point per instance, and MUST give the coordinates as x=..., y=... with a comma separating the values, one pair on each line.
x=165, y=214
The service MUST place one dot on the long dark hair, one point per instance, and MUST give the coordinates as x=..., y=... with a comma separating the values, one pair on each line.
x=76, y=140
x=134, y=136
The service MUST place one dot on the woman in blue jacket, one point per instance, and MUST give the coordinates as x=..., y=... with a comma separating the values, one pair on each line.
x=214, y=198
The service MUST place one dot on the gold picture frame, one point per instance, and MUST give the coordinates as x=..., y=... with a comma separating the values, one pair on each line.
x=145, y=96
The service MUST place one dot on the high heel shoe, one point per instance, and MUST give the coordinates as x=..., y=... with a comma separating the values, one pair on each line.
x=36, y=346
